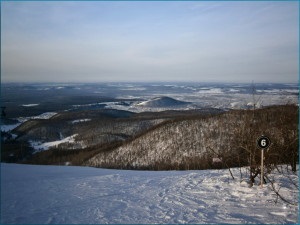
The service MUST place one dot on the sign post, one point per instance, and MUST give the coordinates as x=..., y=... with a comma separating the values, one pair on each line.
x=263, y=142
x=262, y=169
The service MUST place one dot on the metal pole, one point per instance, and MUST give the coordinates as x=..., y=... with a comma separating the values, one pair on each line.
x=262, y=169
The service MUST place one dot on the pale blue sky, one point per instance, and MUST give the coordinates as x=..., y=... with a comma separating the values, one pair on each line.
x=149, y=41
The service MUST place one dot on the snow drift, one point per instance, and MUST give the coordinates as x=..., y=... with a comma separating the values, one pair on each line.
x=67, y=195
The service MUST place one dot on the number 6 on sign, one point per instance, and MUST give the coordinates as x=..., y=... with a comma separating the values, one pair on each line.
x=263, y=142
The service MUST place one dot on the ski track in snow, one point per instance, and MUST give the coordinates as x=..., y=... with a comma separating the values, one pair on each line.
x=60, y=194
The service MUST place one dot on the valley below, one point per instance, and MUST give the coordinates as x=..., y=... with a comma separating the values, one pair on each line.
x=146, y=126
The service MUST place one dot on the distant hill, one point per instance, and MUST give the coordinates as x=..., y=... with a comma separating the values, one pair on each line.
x=194, y=143
x=162, y=102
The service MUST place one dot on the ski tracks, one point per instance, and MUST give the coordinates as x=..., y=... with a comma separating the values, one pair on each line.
x=62, y=195
x=191, y=197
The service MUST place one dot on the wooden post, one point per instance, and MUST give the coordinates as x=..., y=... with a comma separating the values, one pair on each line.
x=262, y=169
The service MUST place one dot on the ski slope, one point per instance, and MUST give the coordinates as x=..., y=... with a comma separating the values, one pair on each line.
x=61, y=194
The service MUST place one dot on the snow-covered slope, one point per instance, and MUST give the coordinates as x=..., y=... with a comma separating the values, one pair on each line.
x=193, y=143
x=45, y=146
x=59, y=194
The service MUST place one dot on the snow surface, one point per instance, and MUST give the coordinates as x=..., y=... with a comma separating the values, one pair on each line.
x=80, y=121
x=210, y=91
x=38, y=146
x=29, y=105
x=43, y=116
x=10, y=127
x=62, y=194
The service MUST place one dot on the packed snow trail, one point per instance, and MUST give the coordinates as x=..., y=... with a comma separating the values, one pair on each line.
x=61, y=194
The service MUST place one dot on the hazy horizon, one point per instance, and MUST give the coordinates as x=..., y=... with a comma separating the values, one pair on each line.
x=86, y=42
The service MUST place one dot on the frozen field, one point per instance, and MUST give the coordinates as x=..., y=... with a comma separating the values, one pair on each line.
x=60, y=194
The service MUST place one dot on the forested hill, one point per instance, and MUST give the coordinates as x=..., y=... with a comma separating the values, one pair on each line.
x=193, y=143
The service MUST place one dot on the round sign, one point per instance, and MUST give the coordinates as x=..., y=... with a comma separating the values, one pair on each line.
x=263, y=142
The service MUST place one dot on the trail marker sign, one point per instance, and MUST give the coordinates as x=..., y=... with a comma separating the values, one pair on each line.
x=263, y=142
